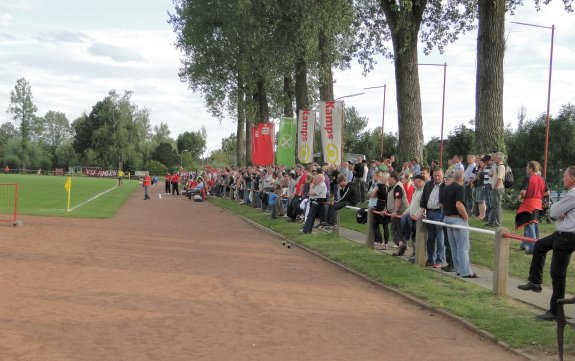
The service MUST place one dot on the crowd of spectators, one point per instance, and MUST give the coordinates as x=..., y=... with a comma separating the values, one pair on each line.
x=398, y=196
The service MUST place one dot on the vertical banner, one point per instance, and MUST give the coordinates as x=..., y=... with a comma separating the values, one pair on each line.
x=305, y=133
x=286, y=142
x=263, y=144
x=331, y=123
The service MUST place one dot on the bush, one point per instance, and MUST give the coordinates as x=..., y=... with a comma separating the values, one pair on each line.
x=509, y=200
x=155, y=168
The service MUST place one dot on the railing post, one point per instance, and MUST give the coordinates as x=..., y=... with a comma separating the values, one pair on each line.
x=369, y=235
x=420, y=243
x=501, y=262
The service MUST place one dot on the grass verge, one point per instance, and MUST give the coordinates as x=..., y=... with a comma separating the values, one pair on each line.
x=506, y=319
x=482, y=246
x=90, y=197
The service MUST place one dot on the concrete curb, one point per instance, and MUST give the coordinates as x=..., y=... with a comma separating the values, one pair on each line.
x=468, y=325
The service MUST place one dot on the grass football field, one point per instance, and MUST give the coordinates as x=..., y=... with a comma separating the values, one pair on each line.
x=89, y=197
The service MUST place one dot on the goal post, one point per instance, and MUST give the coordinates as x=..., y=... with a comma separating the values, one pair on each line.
x=8, y=203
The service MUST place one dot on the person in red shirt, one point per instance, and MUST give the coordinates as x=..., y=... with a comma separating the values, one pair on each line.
x=408, y=186
x=175, y=183
x=301, y=182
x=146, y=184
x=168, y=180
x=531, y=196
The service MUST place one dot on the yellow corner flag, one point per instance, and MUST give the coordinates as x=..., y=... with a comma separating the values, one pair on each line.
x=68, y=188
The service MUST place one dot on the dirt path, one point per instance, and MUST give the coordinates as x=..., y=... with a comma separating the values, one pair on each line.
x=170, y=279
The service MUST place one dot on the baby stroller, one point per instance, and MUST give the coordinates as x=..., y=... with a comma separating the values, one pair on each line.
x=293, y=209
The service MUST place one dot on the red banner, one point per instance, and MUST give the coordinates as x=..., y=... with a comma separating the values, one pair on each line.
x=99, y=172
x=263, y=144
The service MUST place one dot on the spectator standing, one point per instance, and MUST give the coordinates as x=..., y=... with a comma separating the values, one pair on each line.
x=272, y=199
x=378, y=201
x=413, y=212
x=396, y=205
x=487, y=185
x=468, y=180
x=431, y=203
x=562, y=242
x=168, y=182
x=453, y=199
x=146, y=183
x=531, y=196
x=498, y=175
x=357, y=179
x=175, y=179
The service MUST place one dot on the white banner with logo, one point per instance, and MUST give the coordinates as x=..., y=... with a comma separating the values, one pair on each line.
x=331, y=127
x=305, y=132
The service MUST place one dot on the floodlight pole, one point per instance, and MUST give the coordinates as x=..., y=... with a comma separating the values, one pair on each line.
x=444, y=65
x=552, y=27
x=384, y=86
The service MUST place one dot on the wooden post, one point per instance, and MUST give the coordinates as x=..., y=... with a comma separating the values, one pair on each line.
x=369, y=235
x=501, y=262
x=420, y=243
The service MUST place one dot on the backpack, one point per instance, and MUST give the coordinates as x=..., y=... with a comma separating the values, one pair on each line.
x=508, y=181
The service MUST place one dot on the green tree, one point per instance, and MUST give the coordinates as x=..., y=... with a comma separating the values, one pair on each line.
x=56, y=128
x=7, y=132
x=435, y=23
x=193, y=142
x=64, y=154
x=431, y=151
x=166, y=154
x=354, y=125
x=113, y=133
x=23, y=112
x=460, y=141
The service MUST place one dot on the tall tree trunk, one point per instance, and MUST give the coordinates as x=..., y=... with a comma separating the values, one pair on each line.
x=248, y=144
x=240, y=132
x=325, y=62
x=410, y=123
x=262, y=102
x=489, y=78
x=288, y=96
x=301, y=92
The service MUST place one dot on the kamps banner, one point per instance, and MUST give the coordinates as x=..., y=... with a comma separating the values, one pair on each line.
x=286, y=142
x=263, y=144
x=305, y=132
x=331, y=123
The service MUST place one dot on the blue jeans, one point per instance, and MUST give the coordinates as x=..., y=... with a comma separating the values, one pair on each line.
x=532, y=231
x=146, y=196
x=435, y=247
x=459, y=243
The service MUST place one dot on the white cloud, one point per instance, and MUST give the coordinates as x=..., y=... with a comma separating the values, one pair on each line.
x=114, y=52
x=5, y=19
x=63, y=36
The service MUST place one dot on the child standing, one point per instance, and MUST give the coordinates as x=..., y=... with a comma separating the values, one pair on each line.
x=273, y=200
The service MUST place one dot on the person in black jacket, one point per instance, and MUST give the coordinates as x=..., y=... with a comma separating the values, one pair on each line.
x=347, y=197
x=431, y=203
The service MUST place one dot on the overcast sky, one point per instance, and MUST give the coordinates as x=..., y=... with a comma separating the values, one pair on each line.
x=73, y=52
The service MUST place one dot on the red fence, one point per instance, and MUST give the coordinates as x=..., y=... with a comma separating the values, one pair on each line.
x=8, y=202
